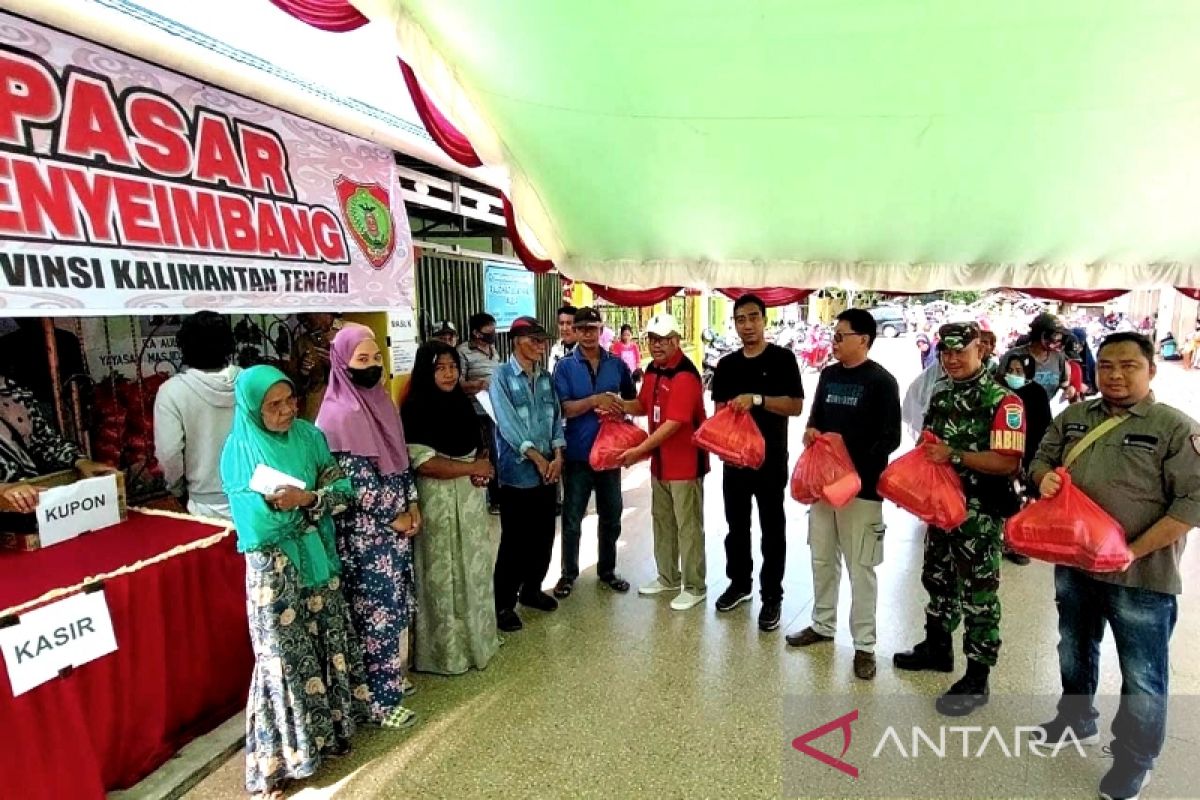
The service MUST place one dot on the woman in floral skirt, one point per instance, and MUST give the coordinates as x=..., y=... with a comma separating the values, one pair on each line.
x=363, y=428
x=309, y=687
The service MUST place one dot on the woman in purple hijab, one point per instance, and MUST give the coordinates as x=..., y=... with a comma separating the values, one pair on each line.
x=374, y=536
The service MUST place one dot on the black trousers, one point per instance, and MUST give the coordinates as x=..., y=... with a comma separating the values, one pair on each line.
x=527, y=518
x=766, y=486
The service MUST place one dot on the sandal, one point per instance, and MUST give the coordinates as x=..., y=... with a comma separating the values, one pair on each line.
x=399, y=717
x=616, y=583
x=407, y=688
x=562, y=589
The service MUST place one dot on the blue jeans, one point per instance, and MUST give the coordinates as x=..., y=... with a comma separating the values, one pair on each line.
x=1142, y=621
x=579, y=481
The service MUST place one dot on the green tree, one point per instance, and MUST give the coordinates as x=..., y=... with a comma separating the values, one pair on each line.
x=962, y=298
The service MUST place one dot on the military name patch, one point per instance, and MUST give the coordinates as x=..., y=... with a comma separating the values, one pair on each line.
x=1014, y=416
x=1142, y=441
x=1075, y=427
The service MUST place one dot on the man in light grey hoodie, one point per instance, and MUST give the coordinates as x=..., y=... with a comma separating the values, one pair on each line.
x=193, y=413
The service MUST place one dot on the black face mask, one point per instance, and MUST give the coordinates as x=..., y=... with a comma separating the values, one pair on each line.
x=487, y=338
x=367, y=378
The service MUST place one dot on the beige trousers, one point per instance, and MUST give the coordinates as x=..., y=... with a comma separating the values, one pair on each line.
x=677, y=508
x=853, y=534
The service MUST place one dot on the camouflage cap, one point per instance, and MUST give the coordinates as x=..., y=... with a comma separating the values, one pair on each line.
x=957, y=335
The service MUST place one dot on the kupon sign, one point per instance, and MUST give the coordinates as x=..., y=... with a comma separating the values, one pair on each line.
x=68, y=633
x=131, y=187
x=64, y=512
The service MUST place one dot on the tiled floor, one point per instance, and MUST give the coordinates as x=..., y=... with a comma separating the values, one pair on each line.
x=617, y=696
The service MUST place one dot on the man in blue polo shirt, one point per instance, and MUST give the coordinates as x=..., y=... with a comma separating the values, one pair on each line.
x=590, y=381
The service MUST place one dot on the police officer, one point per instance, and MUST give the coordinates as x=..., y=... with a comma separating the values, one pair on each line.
x=982, y=427
x=1140, y=461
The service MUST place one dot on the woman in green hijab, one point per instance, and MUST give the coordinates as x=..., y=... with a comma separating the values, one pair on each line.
x=309, y=688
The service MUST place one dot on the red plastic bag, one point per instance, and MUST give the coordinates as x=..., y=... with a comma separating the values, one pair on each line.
x=732, y=436
x=615, y=437
x=932, y=492
x=1069, y=529
x=824, y=471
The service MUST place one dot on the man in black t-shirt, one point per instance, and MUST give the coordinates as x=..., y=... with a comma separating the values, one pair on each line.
x=858, y=399
x=764, y=380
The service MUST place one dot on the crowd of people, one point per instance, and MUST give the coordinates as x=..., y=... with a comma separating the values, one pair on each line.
x=366, y=528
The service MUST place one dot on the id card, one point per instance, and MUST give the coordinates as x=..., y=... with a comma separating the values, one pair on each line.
x=657, y=415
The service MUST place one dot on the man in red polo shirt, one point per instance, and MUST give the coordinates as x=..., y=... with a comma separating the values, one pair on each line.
x=673, y=397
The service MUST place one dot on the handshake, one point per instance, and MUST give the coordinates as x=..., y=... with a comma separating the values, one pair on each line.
x=608, y=404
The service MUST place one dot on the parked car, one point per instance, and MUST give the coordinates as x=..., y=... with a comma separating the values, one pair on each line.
x=890, y=320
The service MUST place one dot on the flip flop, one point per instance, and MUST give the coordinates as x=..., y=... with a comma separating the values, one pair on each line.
x=399, y=717
x=616, y=583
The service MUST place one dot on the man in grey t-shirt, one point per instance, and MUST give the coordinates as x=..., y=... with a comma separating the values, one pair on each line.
x=1145, y=472
x=1046, y=337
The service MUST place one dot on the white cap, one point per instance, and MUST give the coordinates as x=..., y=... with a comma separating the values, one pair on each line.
x=663, y=325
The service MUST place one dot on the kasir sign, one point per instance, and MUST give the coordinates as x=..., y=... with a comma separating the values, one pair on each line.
x=125, y=186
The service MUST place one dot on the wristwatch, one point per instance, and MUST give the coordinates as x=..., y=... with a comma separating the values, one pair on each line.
x=956, y=458
x=758, y=399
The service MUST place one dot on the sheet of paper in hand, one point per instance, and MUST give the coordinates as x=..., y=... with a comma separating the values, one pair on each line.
x=267, y=480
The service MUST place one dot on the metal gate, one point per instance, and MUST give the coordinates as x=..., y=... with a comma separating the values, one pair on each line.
x=450, y=287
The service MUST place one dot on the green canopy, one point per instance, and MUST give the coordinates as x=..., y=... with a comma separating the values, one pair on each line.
x=891, y=144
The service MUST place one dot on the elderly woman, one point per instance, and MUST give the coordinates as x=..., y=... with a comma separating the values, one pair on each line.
x=456, y=627
x=374, y=536
x=309, y=687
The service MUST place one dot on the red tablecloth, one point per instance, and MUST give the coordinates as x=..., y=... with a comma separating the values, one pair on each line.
x=182, y=665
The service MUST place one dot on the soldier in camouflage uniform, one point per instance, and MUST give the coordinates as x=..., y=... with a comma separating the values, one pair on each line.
x=982, y=426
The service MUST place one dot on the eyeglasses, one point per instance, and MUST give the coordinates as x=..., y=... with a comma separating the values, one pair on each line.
x=841, y=337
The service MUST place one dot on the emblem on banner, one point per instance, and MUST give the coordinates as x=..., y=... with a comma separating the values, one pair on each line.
x=367, y=213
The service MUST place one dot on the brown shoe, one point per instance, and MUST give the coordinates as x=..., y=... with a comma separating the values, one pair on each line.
x=806, y=637
x=864, y=665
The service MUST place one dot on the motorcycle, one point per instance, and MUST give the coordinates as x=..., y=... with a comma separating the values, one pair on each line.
x=715, y=348
x=816, y=351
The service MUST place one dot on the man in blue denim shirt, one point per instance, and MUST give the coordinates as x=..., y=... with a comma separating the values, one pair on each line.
x=529, y=460
x=588, y=382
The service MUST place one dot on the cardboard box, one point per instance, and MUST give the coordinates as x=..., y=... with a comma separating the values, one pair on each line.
x=19, y=531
